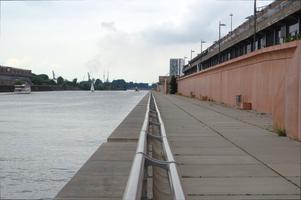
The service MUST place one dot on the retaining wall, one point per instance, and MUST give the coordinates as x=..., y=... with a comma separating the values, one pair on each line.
x=269, y=79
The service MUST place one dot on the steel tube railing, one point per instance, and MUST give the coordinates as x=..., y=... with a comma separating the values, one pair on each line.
x=134, y=185
x=133, y=188
x=174, y=178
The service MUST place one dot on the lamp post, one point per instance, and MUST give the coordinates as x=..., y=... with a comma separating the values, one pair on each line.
x=231, y=16
x=255, y=24
x=191, y=51
x=184, y=58
x=219, y=40
x=202, y=42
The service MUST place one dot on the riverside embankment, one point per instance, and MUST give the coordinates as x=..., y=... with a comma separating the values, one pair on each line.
x=221, y=153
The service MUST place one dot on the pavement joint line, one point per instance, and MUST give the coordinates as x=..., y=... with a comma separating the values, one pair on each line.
x=236, y=145
x=231, y=116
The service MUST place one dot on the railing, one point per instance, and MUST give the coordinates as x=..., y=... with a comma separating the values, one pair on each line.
x=136, y=188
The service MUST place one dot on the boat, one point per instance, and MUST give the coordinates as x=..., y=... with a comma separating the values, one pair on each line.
x=22, y=89
x=92, y=87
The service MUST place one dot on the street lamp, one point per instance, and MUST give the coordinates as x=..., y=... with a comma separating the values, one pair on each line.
x=255, y=24
x=231, y=16
x=202, y=42
x=191, y=51
x=219, y=40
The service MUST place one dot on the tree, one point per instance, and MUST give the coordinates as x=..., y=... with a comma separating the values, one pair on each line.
x=173, y=87
x=41, y=79
x=60, y=80
x=84, y=85
x=98, y=85
x=74, y=82
x=118, y=84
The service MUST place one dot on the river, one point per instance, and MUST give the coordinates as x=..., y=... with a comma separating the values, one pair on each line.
x=45, y=137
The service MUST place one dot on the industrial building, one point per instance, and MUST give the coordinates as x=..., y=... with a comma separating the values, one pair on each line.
x=277, y=23
x=9, y=75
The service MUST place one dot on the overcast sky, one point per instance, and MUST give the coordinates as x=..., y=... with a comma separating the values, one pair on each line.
x=130, y=39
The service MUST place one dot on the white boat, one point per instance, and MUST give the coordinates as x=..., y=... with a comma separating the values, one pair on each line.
x=92, y=87
x=22, y=89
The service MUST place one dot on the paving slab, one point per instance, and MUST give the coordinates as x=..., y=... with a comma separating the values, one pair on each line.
x=207, y=151
x=239, y=186
x=225, y=153
x=215, y=159
x=230, y=170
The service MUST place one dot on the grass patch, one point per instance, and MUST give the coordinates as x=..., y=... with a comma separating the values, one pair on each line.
x=281, y=132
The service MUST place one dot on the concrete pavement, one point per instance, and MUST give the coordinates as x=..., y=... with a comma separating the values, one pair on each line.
x=225, y=153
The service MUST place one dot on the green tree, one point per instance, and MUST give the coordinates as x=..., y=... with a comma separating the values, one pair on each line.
x=173, y=87
x=84, y=85
x=60, y=80
x=118, y=84
x=74, y=82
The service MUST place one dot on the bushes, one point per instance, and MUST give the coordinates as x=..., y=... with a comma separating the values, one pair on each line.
x=292, y=38
x=173, y=86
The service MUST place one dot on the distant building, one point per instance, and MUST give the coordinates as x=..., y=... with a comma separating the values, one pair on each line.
x=9, y=75
x=175, y=66
x=163, y=84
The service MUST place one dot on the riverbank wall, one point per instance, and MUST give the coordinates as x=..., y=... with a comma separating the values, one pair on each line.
x=268, y=80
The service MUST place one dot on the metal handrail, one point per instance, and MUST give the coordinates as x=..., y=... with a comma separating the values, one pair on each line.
x=133, y=190
x=174, y=178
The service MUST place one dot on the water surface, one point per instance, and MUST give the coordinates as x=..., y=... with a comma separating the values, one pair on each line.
x=45, y=137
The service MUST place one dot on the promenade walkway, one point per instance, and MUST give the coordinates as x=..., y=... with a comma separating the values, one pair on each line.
x=224, y=153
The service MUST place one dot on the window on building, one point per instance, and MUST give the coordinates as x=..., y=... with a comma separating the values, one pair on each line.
x=263, y=42
x=293, y=30
x=249, y=48
x=278, y=37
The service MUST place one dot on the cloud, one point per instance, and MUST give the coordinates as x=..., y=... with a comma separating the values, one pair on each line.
x=18, y=62
x=108, y=26
x=199, y=21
